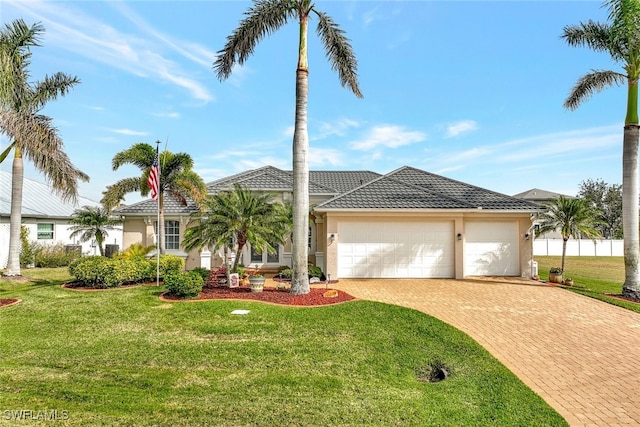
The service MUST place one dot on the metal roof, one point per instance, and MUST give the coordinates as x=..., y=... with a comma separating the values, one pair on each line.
x=38, y=200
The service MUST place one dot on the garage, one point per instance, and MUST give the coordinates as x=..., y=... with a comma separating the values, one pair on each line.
x=491, y=249
x=373, y=249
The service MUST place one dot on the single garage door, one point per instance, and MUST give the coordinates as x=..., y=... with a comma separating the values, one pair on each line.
x=395, y=249
x=491, y=249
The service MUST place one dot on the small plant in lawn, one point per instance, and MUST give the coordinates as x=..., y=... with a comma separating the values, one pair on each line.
x=185, y=285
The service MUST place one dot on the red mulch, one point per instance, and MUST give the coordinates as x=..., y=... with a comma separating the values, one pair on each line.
x=269, y=295
x=623, y=298
x=8, y=301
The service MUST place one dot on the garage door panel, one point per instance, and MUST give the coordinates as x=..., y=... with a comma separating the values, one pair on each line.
x=491, y=249
x=396, y=250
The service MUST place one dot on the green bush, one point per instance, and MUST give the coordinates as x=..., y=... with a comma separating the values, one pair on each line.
x=314, y=271
x=52, y=256
x=202, y=272
x=169, y=264
x=184, y=284
x=285, y=273
x=101, y=272
x=27, y=253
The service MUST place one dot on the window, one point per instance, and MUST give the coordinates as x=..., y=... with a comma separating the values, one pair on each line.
x=172, y=235
x=265, y=257
x=45, y=231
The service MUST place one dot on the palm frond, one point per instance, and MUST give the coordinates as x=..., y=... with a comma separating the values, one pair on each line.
x=6, y=152
x=594, y=35
x=592, y=83
x=339, y=52
x=140, y=154
x=114, y=194
x=264, y=18
x=51, y=87
x=39, y=142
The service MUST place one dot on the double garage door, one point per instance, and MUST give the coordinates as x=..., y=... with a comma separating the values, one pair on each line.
x=396, y=249
x=378, y=249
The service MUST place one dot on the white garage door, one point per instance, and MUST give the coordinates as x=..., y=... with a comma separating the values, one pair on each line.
x=491, y=249
x=395, y=249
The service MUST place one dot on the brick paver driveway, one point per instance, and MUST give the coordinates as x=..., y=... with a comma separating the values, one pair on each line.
x=581, y=355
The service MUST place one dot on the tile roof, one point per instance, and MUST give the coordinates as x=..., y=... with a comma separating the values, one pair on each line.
x=411, y=188
x=539, y=196
x=38, y=200
x=269, y=178
x=172, y=206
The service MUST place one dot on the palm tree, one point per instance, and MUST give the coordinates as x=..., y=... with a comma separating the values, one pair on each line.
x=572, y=217
x=239, y=216
x=266, y=17
x=32, y=134
x=92, y=222
x=620, y=38
x=176, y=179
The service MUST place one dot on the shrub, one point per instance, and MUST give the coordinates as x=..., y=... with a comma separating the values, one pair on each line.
x=136, y=250
x=184, y=284
x=169, y=264
x=101, y=272
x=202, y=272
x=314, y=271
x=285, y=273
x=89, y=270
x=27, y=253
x=52, y=256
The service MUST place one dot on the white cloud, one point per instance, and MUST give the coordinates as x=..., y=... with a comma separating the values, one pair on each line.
x=389, y=136
x=171, y=115
x=463, y=126
x=325, y=156
x=338, y=127
x=129, y=132
x=137, y=54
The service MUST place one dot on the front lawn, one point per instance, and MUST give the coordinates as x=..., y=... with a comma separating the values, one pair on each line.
x=592, y=276
x=123, y=357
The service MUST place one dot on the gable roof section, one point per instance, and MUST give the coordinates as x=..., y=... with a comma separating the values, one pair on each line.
x=411, y=188
x=269, y=178
x=38, y=200
x=172, y=206
x=539, y=196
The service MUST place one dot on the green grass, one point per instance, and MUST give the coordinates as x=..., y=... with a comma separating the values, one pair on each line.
x=592, y=276
x=123, y=357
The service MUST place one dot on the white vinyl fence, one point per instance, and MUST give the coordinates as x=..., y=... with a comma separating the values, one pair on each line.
x=582, y=247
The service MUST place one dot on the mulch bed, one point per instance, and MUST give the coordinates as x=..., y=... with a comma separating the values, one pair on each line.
x=269, y=295
x=5, y=302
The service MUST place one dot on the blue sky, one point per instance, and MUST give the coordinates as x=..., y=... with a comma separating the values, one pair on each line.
x=469, y=90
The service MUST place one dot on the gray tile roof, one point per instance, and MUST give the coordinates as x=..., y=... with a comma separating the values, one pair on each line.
x=269, y=178
x=38, y=200
x=411, y=188
x=172, y=206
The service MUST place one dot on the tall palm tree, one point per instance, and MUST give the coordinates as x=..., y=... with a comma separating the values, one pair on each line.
x=572, y=218
x=620, y=38
x=239, y=216
x=264, y=18
x=32, y=134
x=92, y=222
x=176, y=179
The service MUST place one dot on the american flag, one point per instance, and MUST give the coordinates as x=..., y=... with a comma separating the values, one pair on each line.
x=153, y=178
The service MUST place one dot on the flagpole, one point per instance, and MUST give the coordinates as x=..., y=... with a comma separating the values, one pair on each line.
x=158, y=210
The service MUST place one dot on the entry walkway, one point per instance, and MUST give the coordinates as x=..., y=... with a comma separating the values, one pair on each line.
x=581, y=355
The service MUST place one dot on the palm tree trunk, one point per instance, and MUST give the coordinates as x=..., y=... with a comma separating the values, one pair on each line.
x=630, y=206
x=300, y=251
x=564, y=252
x=17, y=181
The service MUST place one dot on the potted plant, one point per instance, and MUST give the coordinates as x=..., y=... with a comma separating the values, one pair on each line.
x=256, y=281
x=555, y=275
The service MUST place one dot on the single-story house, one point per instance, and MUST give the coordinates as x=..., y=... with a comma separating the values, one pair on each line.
x=408, y=223
x=46, y=216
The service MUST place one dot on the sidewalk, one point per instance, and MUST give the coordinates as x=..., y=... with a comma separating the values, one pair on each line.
x=579, y=354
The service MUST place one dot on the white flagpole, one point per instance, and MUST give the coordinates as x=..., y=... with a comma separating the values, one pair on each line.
x=158, y=233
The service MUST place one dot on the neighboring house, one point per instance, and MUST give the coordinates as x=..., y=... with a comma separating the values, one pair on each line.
x=406, y=224
x=540, y=197
x=46, y=217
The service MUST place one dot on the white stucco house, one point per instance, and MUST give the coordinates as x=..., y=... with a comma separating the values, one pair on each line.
x=46, y=216
x=408, y=223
